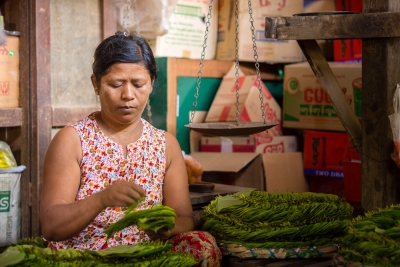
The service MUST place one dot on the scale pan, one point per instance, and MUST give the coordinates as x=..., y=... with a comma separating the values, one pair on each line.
x=230, y=128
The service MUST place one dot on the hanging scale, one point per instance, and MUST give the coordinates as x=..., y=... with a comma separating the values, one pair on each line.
x=230, y=128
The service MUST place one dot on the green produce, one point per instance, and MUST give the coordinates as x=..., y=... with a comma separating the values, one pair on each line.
x=259, y=219
x=373, y=238
x=157, y=217
x=146, y=254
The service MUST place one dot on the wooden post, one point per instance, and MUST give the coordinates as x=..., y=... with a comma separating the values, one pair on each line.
x=25, y=125
x=380, y=74
x=40, y=104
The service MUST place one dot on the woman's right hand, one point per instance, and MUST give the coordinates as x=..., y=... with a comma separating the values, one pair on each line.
x=121, y=193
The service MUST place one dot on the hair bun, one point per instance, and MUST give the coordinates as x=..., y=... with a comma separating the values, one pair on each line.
x=119, y=34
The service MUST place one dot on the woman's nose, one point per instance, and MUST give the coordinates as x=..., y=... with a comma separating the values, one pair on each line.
x=128, y=92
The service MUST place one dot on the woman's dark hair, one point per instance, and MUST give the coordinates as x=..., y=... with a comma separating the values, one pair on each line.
x=121, y=48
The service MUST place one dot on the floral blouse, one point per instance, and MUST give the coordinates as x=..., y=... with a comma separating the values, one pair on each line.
x=103, y=162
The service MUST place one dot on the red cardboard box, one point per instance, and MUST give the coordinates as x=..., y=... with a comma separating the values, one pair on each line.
x=352, y=173
x=323, y=153
x=326, y=185
x=348, y=49
x=227, y=144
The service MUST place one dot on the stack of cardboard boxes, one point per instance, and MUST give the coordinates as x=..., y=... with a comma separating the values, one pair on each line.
x=309, y=140
x=307, y=106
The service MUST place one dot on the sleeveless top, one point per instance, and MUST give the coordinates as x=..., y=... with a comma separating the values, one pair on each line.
x=103, y=162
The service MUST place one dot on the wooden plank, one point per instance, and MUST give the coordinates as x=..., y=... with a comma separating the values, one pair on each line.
x=24, y=51
x=10, y=117
x=40, y=106
x=109, y=18
x=67, y=116
x=380, y=74
x=329, y=83
x=343, y=26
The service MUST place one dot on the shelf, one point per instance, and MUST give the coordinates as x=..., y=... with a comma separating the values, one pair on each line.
x=10, y=117
x=333, y=26
x=67, y=116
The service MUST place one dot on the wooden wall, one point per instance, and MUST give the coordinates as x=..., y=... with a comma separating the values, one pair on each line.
x=76, y=30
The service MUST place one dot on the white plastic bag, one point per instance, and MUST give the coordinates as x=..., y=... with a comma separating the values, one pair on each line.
x=152, y=17
x=395, y=125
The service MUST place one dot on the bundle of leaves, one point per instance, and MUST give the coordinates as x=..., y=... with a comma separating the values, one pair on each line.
x=373, y=238
x=258, y=219
x=159, y=216
x=146, y=254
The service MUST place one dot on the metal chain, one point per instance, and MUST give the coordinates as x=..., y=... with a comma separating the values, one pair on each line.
x=256, y=61
x=196, y=95
x=135, y=14
x=126, y=17
x=237, y=58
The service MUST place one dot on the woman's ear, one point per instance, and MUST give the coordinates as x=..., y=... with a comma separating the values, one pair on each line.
x=94, y=83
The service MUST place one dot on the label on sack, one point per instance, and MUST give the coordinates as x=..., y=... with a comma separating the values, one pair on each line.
x=9, y=208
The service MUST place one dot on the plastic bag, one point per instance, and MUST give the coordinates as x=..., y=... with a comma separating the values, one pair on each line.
x=7, y=159
x=395, y=125
x=194, y=168
x=153, y=16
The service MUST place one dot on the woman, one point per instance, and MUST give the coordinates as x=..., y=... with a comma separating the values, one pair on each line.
x=96, y=168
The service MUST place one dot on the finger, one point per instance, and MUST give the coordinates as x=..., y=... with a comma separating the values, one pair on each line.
x=139, y=190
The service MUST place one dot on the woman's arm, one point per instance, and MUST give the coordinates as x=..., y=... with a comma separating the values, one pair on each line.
x=176, y=190
x=61, y=216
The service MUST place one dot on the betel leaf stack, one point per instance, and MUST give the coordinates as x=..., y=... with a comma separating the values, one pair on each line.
x=146, y=254
x=258, y=219
x=372, y=239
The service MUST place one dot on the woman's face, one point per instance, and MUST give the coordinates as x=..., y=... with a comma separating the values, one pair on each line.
x=124, y=92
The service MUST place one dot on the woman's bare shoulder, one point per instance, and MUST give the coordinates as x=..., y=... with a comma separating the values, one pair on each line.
x=65, y=140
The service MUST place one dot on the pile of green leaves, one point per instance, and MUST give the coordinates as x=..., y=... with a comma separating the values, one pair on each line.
x=146, y=254
x=259, y=219
x=373, y=238
x=159, y=216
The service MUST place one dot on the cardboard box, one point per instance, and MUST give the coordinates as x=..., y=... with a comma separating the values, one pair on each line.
x=306, y=105
x=352, y=173
x=240, y=169
x=9, y=73
x=326, y=185
x=186, y=33
x=268, y=50
x=173, y=94
x=276, y=144
x=284, y=172
x=323, y=153
x=223, y=107
x=227, y=144
x=348, y=49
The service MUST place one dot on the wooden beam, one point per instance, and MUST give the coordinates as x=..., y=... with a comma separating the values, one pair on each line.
x=67, y=116
x=109, y=18
x=323, y=72
x=26, y=216
x=10, y=117
x=40, y=105
x=380, y=74
x=338, y=26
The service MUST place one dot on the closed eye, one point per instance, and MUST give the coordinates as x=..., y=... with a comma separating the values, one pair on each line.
x=116, y=85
